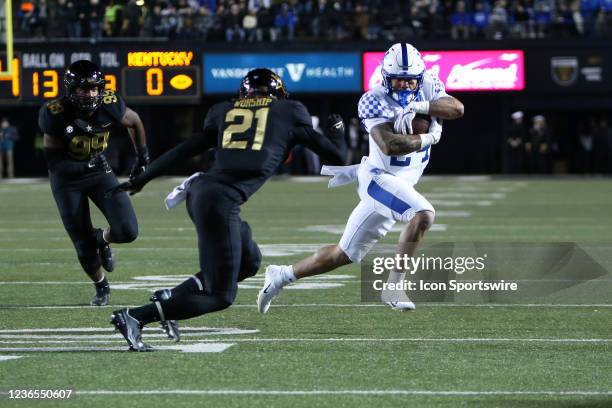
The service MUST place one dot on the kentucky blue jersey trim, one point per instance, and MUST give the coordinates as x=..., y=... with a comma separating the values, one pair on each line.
x=387, y=199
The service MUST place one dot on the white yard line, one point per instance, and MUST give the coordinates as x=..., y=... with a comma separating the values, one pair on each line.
x=85, y=338
x=7, y=358
x=347, y=392
x=333, y=305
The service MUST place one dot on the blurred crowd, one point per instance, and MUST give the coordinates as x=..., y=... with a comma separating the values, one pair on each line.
x=530, y=147
x=272, y=20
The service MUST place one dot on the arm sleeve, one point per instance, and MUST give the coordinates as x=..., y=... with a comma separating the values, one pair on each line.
x=47, y=124
x=185, y=150
x=60, y=164
x=301, y=116
x=332, y=150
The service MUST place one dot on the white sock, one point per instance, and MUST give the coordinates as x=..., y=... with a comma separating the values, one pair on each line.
x=288, y=275
x=395, y=277
x=101, y=280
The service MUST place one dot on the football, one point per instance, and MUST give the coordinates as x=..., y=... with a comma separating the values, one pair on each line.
x=420, y=124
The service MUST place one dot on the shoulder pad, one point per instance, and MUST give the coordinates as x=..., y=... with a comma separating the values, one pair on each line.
x=370, y=106
x=113, y=104
x=55, y=106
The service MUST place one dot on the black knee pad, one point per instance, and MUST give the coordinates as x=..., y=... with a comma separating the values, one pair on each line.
x=251, y=255
x=87, y=253
x=250, y=262
x=127, y=232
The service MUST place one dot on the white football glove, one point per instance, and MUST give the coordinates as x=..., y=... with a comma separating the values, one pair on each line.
x=403, y=121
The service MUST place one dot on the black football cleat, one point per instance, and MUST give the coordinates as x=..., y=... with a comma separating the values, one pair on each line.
x=100, y=299
x=170, y=327
x=130, y=329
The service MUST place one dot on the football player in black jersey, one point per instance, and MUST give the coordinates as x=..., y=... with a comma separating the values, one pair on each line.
x=76, y=129
x=253, y=135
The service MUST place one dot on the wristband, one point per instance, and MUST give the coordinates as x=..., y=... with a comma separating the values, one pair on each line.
x=427, y=139
x=421, y=107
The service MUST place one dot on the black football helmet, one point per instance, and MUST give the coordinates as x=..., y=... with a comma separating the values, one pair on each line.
x=262, y=81
x=85, y=75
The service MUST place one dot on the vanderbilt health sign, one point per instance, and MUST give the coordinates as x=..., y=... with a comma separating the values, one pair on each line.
x=306, y=72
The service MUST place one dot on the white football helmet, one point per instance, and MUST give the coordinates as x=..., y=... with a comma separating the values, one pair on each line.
x=402, y=61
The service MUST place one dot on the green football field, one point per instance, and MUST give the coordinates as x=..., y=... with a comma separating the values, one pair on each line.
x=319, y=345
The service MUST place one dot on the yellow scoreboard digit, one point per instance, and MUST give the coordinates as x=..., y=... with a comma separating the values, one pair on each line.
x=160, y=76
x=140, y=76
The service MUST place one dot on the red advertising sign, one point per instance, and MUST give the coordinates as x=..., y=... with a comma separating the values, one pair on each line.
x=499, y=70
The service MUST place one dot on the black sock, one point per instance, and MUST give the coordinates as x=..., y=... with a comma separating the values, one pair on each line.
x=102, y=286
x=99, y=234
x=145, y=314
x=191, y=305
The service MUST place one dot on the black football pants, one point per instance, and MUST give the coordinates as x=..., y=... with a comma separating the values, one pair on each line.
x=72, y=197
x=226, y=248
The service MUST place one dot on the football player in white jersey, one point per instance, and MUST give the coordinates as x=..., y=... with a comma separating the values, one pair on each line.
x=386, y=176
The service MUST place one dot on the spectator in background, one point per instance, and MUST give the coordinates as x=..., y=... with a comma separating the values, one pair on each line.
x=75, y=17
x=265, y=21
x=95, y=15
x=603, y=20
x=542, y=17
x=133, y=19
x=584, y=152
x=361, y=22
x=40, y=29
x=170, y=20
x=249, y=24
x=255, y=5
x=480, y=20
x=602, y=145
x=539, y=147
x=460, y=22
x=232, y=21
x=514, y=145
x=8, y=137
x=27, y=15
x=498, y=21
x=285, y=22
x=152, y=26
x=204, y=21
x=315, y=13
x=335, y=20
x=588, y=10
x=523, y=24
x=113, y=18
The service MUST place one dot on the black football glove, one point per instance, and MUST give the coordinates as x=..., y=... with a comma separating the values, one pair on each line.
x=335, y=126
x=99, y=163
x=132, y=186
x=142, y=161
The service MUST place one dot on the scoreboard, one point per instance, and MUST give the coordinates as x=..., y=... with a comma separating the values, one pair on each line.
x=145, y=75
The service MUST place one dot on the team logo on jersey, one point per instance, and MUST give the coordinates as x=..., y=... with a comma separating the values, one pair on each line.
x=564, y=70
x=69, y=129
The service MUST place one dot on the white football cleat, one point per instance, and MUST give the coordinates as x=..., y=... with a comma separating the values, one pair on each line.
x=401, y=306
x=273, y=284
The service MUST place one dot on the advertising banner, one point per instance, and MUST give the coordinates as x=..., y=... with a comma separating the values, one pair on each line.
x=499, y=70
x=303, y=72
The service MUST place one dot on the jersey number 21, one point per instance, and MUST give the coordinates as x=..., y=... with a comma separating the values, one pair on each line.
x=240, y=130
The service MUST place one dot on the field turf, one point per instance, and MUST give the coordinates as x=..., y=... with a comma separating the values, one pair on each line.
x=319, y=346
